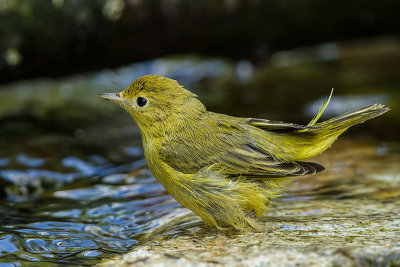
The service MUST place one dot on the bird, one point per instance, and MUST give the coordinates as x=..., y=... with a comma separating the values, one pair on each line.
x=225, y=169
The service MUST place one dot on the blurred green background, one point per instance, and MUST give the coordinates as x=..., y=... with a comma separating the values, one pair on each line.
x=57, y=37
x=248, y=58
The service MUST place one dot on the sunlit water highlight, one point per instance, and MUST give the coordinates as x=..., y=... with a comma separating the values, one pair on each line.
x=80, y=216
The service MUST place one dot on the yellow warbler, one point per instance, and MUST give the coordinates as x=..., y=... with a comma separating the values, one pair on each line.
x=225, y=169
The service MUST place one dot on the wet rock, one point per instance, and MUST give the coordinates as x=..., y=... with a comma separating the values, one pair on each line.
x=345, y=216
x=344, y=233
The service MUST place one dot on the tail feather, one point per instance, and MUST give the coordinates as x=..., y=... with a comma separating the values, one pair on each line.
x=317, y=137
x=346, y=120
x=321, y=110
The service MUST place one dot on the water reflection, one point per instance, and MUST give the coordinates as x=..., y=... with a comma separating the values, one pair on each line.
x=96, y=209
x=100, y=209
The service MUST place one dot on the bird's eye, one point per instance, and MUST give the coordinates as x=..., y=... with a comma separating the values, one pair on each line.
x=141, y=101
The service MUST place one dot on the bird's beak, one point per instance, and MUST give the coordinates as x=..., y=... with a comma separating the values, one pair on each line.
x=114, y=97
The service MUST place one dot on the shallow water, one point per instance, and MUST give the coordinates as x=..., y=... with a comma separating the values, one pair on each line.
x=74, y=185
x=84, y=209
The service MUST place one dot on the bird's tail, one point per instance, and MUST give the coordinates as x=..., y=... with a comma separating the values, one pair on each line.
x=346, y=120
x=319, y=136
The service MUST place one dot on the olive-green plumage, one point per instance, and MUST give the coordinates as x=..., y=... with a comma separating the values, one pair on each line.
x=225, y=169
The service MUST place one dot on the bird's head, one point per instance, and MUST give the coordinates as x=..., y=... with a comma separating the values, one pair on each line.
x=158, y=104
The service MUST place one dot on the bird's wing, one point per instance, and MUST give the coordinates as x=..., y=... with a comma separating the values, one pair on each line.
x=268, y=125
x=234, y=154
x=252, y=162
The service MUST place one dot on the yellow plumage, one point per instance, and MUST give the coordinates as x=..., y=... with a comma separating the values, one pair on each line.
x=225, y=169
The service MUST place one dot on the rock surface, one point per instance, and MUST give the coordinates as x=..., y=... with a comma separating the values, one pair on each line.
x=346, y=216
x=351, y=233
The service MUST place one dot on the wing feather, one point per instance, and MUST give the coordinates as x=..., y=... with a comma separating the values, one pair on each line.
x=248, y=161
x=268, y=125
x=230, y=145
